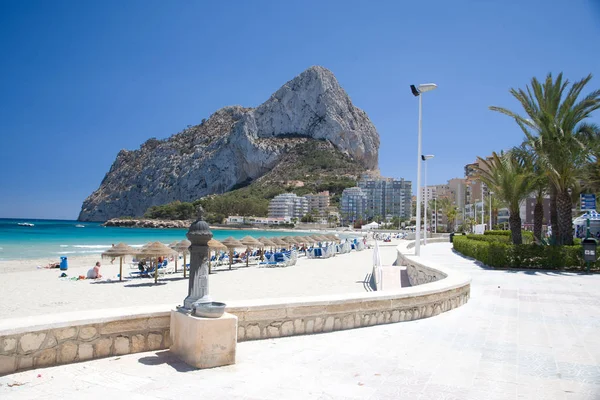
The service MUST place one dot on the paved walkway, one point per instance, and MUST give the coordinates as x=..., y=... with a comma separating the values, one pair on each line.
x=523, y=335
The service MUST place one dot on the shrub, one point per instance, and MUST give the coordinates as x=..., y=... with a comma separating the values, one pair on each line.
x=502, y=254
x=490, y=238
x=527, y=235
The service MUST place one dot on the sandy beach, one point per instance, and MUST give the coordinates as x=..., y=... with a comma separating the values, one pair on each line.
x=27, y=290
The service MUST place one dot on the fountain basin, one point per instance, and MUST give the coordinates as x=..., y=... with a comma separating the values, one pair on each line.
x=211, y=309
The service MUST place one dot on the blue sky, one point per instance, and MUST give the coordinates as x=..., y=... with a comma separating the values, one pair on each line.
x=82, y=80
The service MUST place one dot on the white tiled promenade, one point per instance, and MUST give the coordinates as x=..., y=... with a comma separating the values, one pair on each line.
x=523, y=335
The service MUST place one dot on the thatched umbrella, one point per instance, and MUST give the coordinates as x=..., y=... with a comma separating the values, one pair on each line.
x=298, y=239
x=214, y=245
x=306, y=239
x=316, y=238
x=231, y=244
x=251, y=243
x=183, y=247
x=266, y=242
x=332, y=237
x=156, y=249
x=279, y=242
x=289, y=240
x=120, y=251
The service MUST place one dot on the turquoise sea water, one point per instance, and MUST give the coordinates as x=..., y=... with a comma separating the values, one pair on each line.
x=54, y=238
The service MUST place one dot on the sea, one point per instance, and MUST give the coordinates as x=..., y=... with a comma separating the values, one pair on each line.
x=41, y=238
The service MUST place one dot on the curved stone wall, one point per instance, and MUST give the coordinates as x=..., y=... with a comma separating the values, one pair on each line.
x=65, y=338
x=419, y=273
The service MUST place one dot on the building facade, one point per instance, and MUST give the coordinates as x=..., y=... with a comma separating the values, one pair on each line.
x=387, y=197
x=353, y=205
x=318, y=203
x=288, y=206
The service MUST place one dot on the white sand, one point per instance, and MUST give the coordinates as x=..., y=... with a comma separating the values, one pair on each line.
x=26, y=290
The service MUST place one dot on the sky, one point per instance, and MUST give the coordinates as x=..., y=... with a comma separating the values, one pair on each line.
x=81, y=80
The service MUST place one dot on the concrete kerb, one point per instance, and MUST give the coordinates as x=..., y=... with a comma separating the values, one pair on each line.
x=137, y=329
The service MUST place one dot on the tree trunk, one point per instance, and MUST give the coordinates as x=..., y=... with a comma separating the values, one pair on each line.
x=554, y=216
x=565, y=219
x=538, y=219
x=514, y=220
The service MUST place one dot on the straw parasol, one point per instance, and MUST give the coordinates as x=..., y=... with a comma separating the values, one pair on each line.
x=293, y=240
x=155, y=250
x=279, y=242
x=299, y=239
x=120, y=251
x=251, y=243
x=231, y=244
x=306, y=239
x=266, y=242
x=183, y=247
x=289, y=240
x=316, y=238
x=332, y=237
x=214, y=245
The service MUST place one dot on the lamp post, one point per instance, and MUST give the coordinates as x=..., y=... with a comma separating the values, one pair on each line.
x=436, y=214
x=482, y=205
x=490, y=195
x=425, y=158
x=417, y=91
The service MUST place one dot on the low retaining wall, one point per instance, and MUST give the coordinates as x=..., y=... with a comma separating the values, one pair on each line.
x=43, y=341
x=40, y=341
x=418, y=273
x=277, y=320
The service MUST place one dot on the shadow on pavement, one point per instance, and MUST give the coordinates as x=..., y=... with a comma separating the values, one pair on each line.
x=166, y=357
x=147, y=284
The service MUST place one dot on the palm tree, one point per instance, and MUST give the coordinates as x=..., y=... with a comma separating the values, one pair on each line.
x=590, y=173
x=553, y=131
x=511, y=183
x=539, y=185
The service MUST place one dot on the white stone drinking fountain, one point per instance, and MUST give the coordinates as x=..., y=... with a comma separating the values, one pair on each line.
x=203, y=335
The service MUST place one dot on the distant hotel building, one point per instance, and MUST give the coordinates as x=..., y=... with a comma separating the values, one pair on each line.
x=387, y=197
x=287, y=206
x=353, y=204
x=318, y=203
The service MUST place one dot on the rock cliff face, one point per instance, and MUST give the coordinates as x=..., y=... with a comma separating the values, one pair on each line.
x=235, y=145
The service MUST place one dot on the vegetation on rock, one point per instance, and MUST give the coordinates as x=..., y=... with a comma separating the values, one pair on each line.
x=310, y=166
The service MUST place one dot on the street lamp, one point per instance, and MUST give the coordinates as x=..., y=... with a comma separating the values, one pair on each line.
x=436, y=214
x=490, y=195
x=425, y=158
x=417, y=91
x=482, y=204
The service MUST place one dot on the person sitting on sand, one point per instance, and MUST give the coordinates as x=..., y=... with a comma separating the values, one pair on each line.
x=94, y=273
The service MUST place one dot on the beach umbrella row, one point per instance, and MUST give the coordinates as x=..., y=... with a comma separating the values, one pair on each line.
x=157, y=249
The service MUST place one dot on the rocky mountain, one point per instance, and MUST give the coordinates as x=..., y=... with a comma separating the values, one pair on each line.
x=235, y=146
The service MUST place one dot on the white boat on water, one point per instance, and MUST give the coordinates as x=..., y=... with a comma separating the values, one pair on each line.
x=25, y=224
x=79, y=226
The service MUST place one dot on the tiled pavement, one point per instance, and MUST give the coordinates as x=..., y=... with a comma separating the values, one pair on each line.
x=522, y=335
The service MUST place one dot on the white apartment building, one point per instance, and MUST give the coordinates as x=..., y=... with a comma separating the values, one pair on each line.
x=288, y=205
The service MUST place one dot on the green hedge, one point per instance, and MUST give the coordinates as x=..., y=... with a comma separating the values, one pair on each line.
x=527, y=235
x=490, y=238
x=498, y=254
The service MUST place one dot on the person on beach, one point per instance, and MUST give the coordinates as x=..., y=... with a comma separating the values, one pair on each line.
x=94, y=273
